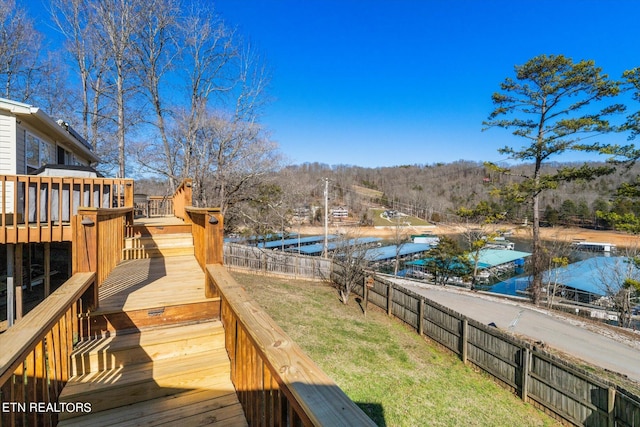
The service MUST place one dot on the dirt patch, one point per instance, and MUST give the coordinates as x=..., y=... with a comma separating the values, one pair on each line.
x=566, y=234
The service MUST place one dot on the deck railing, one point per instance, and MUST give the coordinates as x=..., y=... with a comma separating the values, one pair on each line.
x=207, y=228
x=159, y=206
x=37, y=209
x=276, y=383
x=182, y=198
x=99, y=236
x=34, y=361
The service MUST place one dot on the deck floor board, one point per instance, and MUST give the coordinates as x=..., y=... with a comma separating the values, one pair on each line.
x=152, y=282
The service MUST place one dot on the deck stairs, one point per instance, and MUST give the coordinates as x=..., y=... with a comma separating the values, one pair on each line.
x=160, y=245
x=157, y=353
x=159, y=376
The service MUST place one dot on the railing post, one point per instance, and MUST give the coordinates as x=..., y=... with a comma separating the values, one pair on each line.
x=128, y=193
x=213, y=245
x=85, y=245
x=389, y=298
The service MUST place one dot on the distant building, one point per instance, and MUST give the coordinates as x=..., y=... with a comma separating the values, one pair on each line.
x=339, y=212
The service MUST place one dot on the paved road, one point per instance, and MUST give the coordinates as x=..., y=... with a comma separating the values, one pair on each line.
x=568, y=335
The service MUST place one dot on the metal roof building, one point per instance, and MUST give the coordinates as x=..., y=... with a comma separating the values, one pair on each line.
x=583, y=279
x=491, y=258
x=317, y=248
x=389, y=252
x=286, y=243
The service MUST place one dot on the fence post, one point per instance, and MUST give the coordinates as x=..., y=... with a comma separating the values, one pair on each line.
x=464, y=338
x=611, y=406
x=421, y=317
x=526, y=358
x=389, y=298
x=365, y=295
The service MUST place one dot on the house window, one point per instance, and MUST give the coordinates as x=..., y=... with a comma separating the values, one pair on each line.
x=33, y=151
x=39, y=152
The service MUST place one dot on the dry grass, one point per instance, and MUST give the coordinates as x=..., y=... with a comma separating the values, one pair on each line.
x=395, y=376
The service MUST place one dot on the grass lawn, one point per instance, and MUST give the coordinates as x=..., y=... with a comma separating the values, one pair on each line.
x=379, y=221
x=395, y=376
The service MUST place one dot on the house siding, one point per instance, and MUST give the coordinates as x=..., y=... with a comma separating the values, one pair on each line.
x=7, y=145
x=7, y=159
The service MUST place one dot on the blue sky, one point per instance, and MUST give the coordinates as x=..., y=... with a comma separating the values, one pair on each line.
x=382, y=83
x=395, y=82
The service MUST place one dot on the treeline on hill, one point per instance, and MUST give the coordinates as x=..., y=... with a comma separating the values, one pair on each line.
x=434, y=192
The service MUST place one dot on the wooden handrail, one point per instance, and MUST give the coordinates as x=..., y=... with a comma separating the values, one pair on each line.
x=274, y=379
x=37, y=208
x=182, y=198
x=34, y=365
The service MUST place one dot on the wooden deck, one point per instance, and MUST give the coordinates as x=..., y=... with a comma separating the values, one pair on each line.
x=161, y=358
x=152, y=283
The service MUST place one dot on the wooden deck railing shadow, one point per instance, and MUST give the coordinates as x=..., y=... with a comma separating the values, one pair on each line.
x=37, y=209
x=34, y=362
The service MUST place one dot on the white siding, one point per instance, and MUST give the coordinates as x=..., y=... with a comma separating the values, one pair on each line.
x=7, y=145
x=7, y=158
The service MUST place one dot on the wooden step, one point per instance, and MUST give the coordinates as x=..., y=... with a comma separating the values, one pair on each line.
x=159, y=245
x=150, y=379
x=118, y=350
x=143, y=253
x=108, y=322
x=217, y=406
x=161, y=240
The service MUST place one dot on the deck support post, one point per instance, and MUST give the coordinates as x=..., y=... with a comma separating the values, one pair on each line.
x=47, y=269
x=19, y=274
x=11, y=291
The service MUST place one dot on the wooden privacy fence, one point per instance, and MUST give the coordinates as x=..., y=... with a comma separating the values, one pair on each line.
x=546, y=381
x=40, y=208
x=276, y=383
x=34, y=361
x=255, y=259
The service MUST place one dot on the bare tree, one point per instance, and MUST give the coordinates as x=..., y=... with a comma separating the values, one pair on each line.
x=156, y=50
x=28, y=73
x=619, y=279
x=351, y=258
x=116, y=22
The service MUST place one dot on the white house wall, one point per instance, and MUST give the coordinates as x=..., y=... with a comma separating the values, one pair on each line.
x=8, y=159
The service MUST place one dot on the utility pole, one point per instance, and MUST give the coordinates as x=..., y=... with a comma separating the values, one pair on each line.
x=325, y=248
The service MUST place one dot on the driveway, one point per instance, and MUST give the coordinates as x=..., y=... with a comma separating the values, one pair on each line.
x=593, y=343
